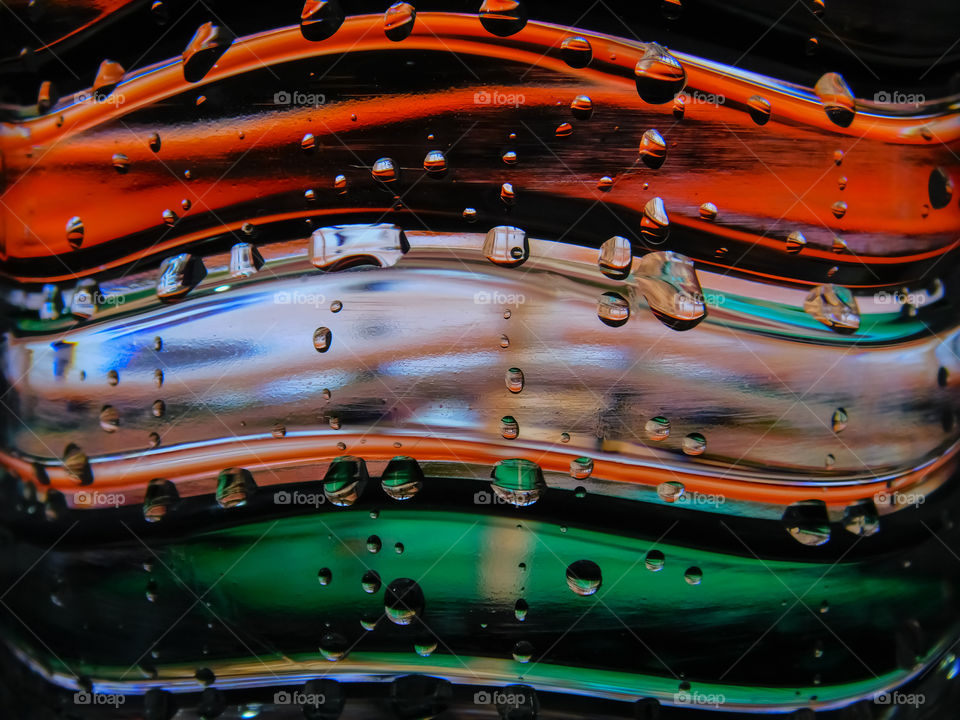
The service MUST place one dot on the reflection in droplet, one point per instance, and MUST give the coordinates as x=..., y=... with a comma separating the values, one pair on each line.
x=653, y=149
x=403, y=601
x=693, y=575
x=670, y=490
x=835, y=307
x=708, y=211
x=839, y=209
x=435, y=163
x=333, y=646
x=564, y=130
x=659, y=75
x=321, y=339
x=503, y=17
x=398, y=21
x=807, y=521
x=506, y=245
x=518, y=481
x=584, y=577
x=837, y=98
x=694, y=444
x=581, y=468
x=861, y=518
x=576, y=51
x=613, y=309
x=345, y=480
x=759, y=108
x=654, y=561
x=582, y=107
x=514, y=379
x=402, y=478
x=509, y=428
x=658, y=428
x=796, y=242
x=370, y=582
x=655, y=224
x=384, y=170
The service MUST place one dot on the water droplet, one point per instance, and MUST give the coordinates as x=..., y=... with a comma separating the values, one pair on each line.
x=839, y=209
x=336, y=306
x=581, y=468
x=522, y=651
x=509, y=157
x=807, y=521
x=309, y=142
x=169, y=217
x=655, y=224
x=178, y=275
x=503, y=17
x=403, y=601
x=670, y=491
x=384, y=170
x=109, y=418
x=160, y=497
x=796, y=242
x=837, y=98
x=159, y=408
x=940, y=188
x=75, y=232
x=340, y=184
x=654, y=561
x=158, y=377
x=324, y=576
x=829, y=461
x=518, y=481
x=234, y=487
x=402, y=478
x=425, y=648
x=507, y=194
x=835, y=307
x=693, y=575
x=507, y=314
x=158, y=344
x=509, y=427
x=842, y=182
x=861, y=518
x=658, y=428
x=120, y=163
x=605, y=184
x=109, y=75
x=694, y=444
x=659, y=75
x=672, y=290
x=583, y=577
x=435, y=162
x=368, y=621
x=206, y=46
x=708, y=211
x=334, y=422
x=582, y=107
x=759, y=108
x=576, y=51
x=152, y=591
x=321, y=339
x=520, y=610
x=370, y=582
x=320, y=19
x=345, y=480
x=310, y=195
x=333, y=646
x=113, y=377
x=564, y=129
x=564, y=437
x=514, y=379
x=613, y=309
x=186, y=204
x=839, y=420
x=615, y=258
x=374, y=544
x=506, y=245
x=653, y=149
x=470, y=214
x=504, y=341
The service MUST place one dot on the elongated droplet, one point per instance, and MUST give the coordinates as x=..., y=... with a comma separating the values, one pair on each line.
x=320, y=19
x=835, y=307
x=655, y=224
x=837, y=99
x=514, y=379
x=75, y=232
x=616, y=257
x=659, y=75
x=653, y=149
x=398, y=21
x=234, y=487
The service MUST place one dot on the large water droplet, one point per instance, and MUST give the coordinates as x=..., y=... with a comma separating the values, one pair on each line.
x=653, y=149
x=159, y=499
x=506, y=245
x=503, y=17
x=584, y=577
x=345, y=480
x=613, y=309
x=807, y=521
x=576, y=51
x=403, y=601
x=235, y=486
x=514, y=379
x=659, y=75
x=837, y=99
x=320, y=19
x=398, y=21
x=670, y=285
x=655, y=224
x=402, y=478
x=616, y=257
x=835, y=307
x=517, y=481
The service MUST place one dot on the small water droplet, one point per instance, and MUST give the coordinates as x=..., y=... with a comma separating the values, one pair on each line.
x=333, y=646
x=370, y=582
x=514, y=379
x=321, y=339
x=504, y=341
x=336, y=306
x=402, y=478
x=807, y=521
x=470, y=214
x=839, y=420
x=670, y=490
x=837, y=99
x=605, y=184
x=75, y=231
x=582, y=107
x=109, y=418
x=324, y=576
x=522, y=651
x=520, y=610
x=564, y=437
x=796, y=242
x=374, y=544
x=509, y=428
x=384, y=170
x=759, y=108
x=694, y=444
x=842, y=182
x=159, y=408
x=507, y=194
x=654, y=561
x=693, y=575
x=113, y=377
x=509, y=157
x=658, y=428
x=169, y=217
x=653, y=149
x=839, y=209
x=435, y=162
x=861, y=518
x=811, y=46
x=581, y=468
x=120, y=163
x=584, y=577
x=708, y=211
x=564, y=129
x=403, y=601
